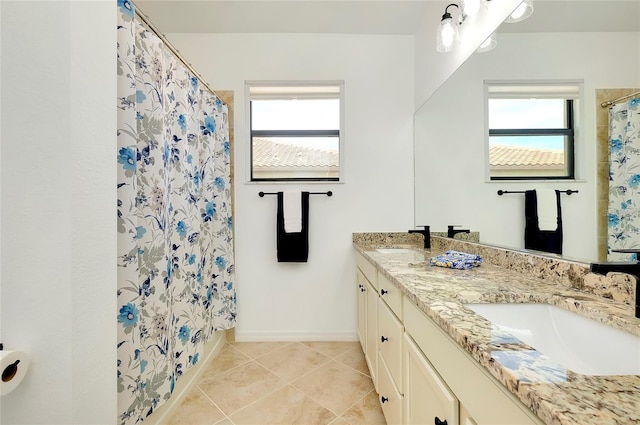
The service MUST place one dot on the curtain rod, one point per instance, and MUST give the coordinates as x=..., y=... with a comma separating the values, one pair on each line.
x=177, y=54
x=611, y=102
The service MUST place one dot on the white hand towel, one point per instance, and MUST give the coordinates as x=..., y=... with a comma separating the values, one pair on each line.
x=547, y=209
x=292, y=211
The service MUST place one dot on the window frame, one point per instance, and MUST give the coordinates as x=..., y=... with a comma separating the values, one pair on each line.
x=569, y=131
x=339, y=133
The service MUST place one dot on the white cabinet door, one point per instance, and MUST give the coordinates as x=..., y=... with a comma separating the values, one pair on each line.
x=371, y=352
x=362, y=310
x=390, y=398
x=427, y=399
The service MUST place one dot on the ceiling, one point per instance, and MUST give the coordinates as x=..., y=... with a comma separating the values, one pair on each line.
x=372, y=17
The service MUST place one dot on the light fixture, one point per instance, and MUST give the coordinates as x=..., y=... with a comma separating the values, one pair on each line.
x=522, y=12
x=470, y=8
x=447, y=31
x=489, y=44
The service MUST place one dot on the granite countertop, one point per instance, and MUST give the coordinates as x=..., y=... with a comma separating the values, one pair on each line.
x=555, y=394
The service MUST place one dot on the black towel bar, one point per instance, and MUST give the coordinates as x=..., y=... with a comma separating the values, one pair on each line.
x=329, y=193
x=502, y=192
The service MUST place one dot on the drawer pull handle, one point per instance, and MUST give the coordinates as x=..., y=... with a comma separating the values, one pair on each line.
x=385, y=399
x=439, y=422
x=383, y=338
x=382, y=292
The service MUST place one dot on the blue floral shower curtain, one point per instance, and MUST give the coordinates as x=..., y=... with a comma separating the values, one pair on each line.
x=175, y=245
x=624, y=179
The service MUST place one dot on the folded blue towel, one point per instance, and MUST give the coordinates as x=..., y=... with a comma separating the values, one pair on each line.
x=456, y=260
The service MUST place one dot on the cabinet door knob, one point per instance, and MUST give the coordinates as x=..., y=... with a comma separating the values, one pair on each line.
x=382, y=292
x=439, y=422
x=363, y=289
x=384, y=399
x=383, y=339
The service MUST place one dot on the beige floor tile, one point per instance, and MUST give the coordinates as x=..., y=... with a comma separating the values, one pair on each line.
x=355, y=358
x=228, y=358
x=240, y=386
x=196, y=409
x=335, y=386
x=331, y=348
x=257, y=349
x=292, y=361
x=339, y=421
x=367, y=411
x=288, y=406
x=225, y=421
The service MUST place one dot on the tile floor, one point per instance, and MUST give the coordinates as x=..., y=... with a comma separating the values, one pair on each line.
x=283, y=383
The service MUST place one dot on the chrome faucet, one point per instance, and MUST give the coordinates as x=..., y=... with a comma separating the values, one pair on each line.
x=451, y=232
x=427, y=236
x=632, y=268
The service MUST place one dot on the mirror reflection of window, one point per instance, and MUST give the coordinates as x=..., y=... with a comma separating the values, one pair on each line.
x=531, y=130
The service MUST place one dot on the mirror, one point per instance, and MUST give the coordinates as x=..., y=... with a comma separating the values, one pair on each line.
x=594, y=42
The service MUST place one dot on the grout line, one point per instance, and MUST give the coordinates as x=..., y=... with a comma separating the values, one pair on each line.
x=286, y=343
x=214, y=403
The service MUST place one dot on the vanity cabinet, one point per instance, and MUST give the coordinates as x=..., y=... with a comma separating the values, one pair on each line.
x=421, y=374
x=482, y=399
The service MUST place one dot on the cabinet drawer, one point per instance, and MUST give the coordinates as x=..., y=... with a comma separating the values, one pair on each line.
x=390, y=398
x=390, y=332
x=390, y=294
x=367, y=268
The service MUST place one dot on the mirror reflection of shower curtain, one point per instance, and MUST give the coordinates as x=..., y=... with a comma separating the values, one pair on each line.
x=624, y=180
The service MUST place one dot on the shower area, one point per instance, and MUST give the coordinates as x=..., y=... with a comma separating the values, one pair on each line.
x=618, y=121
x=174, y=218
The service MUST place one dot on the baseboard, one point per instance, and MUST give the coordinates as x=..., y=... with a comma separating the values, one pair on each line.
x=187, y=381
x=248, y=336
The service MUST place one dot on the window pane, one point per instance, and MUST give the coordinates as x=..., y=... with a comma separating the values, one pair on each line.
x=295, y=157
x=295, y=114
x=526, y=113
x=528, y=156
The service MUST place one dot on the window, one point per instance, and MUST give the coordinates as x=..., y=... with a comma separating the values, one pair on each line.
x=531, y=130
x=295, y=131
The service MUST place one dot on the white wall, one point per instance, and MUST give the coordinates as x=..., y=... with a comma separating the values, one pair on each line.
x=450, y=146
x=58, y=202
x=433, y=68
x=316, y=300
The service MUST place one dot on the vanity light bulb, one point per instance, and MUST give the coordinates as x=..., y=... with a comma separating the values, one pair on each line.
x=471, y=7
x=447, y=35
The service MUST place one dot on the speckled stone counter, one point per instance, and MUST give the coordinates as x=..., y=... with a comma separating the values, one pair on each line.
x=555, y=394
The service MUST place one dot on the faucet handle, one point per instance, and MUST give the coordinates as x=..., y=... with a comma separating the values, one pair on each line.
x=423, y=226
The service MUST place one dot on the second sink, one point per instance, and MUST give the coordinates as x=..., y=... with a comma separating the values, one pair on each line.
x=575, y=342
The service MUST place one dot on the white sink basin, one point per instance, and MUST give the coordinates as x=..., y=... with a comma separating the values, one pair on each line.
x=575, y=342
x=395, y=250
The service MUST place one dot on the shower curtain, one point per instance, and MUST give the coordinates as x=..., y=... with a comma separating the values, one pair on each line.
x=175, y=244
x=624, y=179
